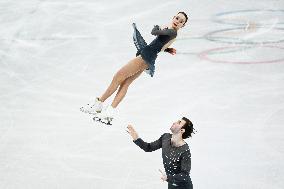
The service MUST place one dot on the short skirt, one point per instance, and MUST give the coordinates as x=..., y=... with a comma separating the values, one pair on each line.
x=148, y=54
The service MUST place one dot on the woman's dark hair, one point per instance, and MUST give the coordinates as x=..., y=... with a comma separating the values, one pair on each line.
x=188, y=127
x=185, y=15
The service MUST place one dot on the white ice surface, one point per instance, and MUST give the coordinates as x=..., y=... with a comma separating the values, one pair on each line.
x=56, y=55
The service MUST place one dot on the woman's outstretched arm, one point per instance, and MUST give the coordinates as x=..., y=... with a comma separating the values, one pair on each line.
x=157, y=31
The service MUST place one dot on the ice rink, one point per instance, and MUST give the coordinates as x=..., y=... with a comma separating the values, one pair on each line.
x=227, y=77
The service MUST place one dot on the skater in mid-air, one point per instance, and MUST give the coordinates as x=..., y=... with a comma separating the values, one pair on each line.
x=175, y=153
x=144, y=61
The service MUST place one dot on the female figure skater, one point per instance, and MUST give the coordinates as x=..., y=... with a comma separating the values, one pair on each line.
x=144, y=61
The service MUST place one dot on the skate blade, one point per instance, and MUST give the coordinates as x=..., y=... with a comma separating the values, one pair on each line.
x=98, y=119
x=104, y=121
x=88, y=112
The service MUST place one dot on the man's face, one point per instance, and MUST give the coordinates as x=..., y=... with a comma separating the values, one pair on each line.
x=178, y=21
x=176, y=127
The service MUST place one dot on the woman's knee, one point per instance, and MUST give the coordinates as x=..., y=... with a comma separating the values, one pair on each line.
x=126, y=83
x=119, y=77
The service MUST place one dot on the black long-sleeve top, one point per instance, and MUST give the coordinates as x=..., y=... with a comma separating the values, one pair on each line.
x=176, y=160
x=163, y=37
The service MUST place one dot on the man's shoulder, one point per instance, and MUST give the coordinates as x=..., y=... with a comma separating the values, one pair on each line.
x=186, y=149
x=167, y=135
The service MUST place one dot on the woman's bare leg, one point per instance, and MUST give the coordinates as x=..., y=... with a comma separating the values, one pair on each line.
x=135, y=65
x=123, y=89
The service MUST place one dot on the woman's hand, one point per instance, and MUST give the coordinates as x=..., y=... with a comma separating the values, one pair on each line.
x=163, y=27
x=172, y=51
x=132, y=132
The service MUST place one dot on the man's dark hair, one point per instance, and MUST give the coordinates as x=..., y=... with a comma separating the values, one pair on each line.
x=185, y=15
x=188, y=127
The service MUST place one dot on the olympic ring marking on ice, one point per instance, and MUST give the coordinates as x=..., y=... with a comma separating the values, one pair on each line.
x=225, y=52
x=210, y=36
x=204, y=55
x=225, y=21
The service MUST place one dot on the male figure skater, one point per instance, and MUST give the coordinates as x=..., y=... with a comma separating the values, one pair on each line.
x=175, y=153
